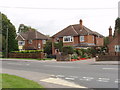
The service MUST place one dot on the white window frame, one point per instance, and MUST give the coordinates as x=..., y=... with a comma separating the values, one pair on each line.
x=44, y=41
x=30, y=41
x=82, y=38
x=22, y=43
x=93, y=38
x=70, y=40
x=117, y=48
x=39, y=45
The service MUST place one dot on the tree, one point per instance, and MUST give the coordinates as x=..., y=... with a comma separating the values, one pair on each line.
x=8, y=29
x=48, y=47
x=59, y=45
x=67, y=50
x=117, y=25
x=106, y=41
x=24, y=28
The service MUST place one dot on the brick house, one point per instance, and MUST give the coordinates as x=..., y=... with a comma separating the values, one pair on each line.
x=78, y=36
x=114, y=43
x=31, y=40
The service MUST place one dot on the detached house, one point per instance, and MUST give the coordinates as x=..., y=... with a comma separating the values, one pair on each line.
x=31, y=40
x=78, y=36
x=114, y=43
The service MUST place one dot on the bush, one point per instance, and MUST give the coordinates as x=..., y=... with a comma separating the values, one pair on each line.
x=74, y=57
x=68, y=50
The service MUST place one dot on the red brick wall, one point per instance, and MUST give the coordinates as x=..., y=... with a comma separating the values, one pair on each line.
x=88, y=39
x=34, y=44
x=99, y=41
x=111, y=46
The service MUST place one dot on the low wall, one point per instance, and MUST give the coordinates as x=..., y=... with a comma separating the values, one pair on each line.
x=107, y=58
x=26, y=55
x=63, y=57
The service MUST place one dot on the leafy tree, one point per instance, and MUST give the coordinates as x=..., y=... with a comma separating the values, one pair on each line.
x=59, y=45
x=68, y=50
x=117, y=25
x=7, y=26
x=106, y=41
x=48, y=47
x=24, y=28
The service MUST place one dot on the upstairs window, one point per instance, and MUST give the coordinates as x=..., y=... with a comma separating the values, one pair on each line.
x=30, y=41
x=44, y=41
x=67, y=39
x=82, y=39
x=39, y=46
x=21, y=43
x=117, y=48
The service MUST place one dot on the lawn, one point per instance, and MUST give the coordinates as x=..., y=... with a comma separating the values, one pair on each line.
x=12, y=81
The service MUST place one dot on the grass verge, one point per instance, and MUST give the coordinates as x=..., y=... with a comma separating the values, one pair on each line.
x=12, y=81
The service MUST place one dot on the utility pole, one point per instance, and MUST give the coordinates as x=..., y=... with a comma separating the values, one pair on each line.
x=7, y=43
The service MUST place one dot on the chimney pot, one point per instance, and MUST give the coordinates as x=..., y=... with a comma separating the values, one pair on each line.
x=81, y=24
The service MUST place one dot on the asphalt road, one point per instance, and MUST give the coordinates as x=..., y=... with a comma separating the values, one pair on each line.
x=84, y=73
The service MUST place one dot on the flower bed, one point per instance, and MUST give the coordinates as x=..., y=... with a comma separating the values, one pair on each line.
x=79, y=59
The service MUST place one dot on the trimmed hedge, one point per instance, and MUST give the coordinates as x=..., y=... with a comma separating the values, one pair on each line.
x=28, y=51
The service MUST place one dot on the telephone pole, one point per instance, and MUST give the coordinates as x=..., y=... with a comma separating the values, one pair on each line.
x=7, y=43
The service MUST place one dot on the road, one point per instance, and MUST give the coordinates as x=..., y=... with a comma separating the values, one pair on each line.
x=83, y=73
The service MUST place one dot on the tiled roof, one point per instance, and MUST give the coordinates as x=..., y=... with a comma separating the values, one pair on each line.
x=33, y=34
x=74, y=30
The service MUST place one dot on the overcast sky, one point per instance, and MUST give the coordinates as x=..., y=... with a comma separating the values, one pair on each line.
x=51, y=16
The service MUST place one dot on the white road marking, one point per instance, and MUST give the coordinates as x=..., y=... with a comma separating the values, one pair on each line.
x=62, y=82
x=110, y=68
x=103, y=79
x=60, y=76
x=86, y=78
x=73, y=76
x=117, y=81
x=70, y=78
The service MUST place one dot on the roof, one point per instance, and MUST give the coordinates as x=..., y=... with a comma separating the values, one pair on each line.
x=74, y=30
x=32, y=34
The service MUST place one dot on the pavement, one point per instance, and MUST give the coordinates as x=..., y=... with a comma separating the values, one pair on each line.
x=87, y=61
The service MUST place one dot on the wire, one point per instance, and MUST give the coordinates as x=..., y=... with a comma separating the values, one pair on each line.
x=58, y=8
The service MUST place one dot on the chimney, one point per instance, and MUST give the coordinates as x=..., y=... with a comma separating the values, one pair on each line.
x=110, y=34
x=81, y=23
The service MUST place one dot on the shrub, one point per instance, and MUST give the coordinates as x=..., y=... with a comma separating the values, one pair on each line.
x=74, y=57
x=68, y=50
x=28, y=51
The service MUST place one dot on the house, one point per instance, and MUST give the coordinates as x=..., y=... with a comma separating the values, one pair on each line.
x=31, y=40
x=78, y=36
x=114, y=43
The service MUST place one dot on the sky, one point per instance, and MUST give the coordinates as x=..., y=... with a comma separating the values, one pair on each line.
x=52, y=16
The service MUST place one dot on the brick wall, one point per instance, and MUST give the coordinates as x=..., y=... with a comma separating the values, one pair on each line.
x=34, y=44
x=26, y=55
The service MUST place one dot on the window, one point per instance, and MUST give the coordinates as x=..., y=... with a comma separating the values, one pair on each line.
x=30, y=41
x=93, y=38
x=81, y=38
x=39, y=45
x=21, y=43
x=117, y=48
x=44, y=41
x=67, y=39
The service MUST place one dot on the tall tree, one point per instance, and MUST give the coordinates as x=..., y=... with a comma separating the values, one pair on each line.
x=8, y=35
x=23, y=28
x=117, y=25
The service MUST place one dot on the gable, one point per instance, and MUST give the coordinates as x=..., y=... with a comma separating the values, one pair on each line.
x=19, y=38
